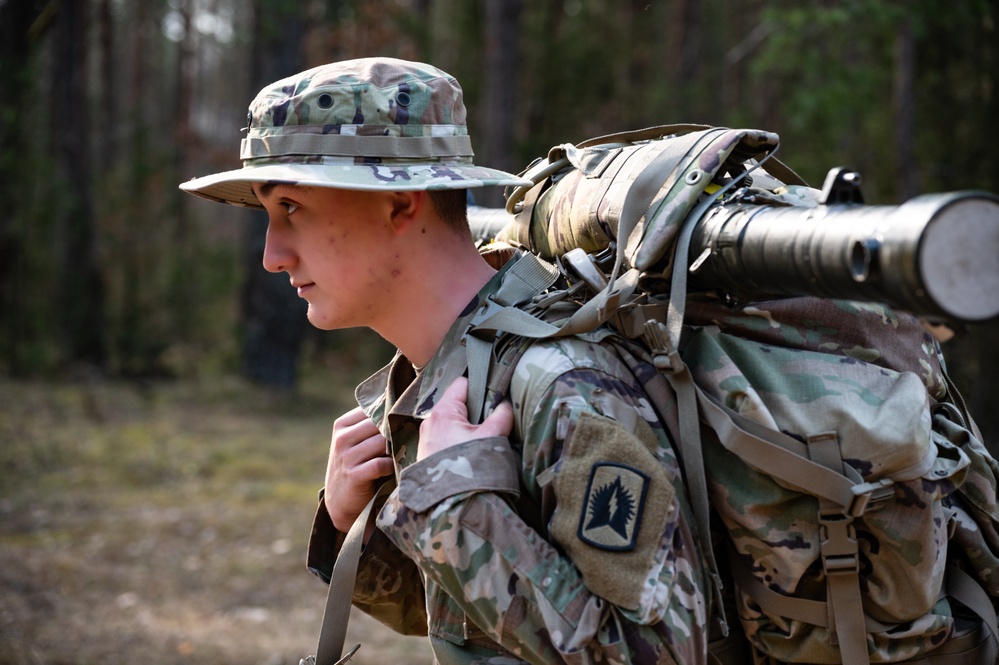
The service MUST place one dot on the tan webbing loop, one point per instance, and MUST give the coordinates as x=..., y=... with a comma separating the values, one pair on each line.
x=840, y=560
x=721, y=420
x=341, y=591
x=644, y=188
x=497, y=318
x=526, y=277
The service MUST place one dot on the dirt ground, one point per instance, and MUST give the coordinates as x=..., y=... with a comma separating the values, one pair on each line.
x=166, y=524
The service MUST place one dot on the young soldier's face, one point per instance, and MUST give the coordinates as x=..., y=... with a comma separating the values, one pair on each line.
x=335, y=245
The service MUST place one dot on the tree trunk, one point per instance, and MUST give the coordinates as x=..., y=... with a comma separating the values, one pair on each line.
x=17, y=18
x=904, y=112
x=131, y=333
x=498, y=107
x=688, y=58
x=109, y=93
x=274, y=318
x=185, y=241
x=82, y=290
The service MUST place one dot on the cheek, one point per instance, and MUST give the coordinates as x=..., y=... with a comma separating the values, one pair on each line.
x=336, y=235
x=355, y=266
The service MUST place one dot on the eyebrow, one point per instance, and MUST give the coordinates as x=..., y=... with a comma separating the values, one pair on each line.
x=268, y=187
x=265, y=189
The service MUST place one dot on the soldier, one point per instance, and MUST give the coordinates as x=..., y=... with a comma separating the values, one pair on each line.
x=557, y=528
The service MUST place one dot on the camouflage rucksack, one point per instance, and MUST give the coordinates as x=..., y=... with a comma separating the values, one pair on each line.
x=855, y=501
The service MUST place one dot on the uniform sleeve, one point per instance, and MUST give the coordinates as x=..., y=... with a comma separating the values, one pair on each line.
x=388, y=585
x=535, y=593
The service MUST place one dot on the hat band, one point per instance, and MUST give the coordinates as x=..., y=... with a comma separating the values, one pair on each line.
x=390, y=147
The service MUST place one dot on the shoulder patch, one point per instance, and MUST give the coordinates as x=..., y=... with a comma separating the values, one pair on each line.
x=616, y=502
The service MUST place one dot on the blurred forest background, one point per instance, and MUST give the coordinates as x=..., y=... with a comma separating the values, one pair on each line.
x=108, y=104
x=133, y=316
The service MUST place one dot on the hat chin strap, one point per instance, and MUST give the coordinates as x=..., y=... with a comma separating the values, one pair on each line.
x=339, y=145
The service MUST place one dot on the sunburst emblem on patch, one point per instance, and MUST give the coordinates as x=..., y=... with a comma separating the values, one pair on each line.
x=615, y=498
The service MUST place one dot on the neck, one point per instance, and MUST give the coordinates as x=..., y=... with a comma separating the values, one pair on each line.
x=439, y=278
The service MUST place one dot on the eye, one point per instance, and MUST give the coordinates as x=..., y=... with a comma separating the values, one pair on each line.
x=289, y=207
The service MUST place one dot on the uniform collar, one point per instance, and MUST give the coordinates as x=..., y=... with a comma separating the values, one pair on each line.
x=396, y=391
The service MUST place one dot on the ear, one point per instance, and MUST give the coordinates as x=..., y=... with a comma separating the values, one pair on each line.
x=407, y=209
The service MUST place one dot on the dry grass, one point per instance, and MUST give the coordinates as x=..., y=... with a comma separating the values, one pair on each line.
x=166, y=524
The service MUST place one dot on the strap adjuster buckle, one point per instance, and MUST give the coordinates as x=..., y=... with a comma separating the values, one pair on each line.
x=842, y=564
x=664, y=356
x=866, y=493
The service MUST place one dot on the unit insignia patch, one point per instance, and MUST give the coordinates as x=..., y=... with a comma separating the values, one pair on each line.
x=615, y=498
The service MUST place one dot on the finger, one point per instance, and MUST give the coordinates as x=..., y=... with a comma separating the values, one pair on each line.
x=377, y=467
x=348, y=436
x=352, y=417
x=360, y=476
x=343, y=462
x=358, y=431
x=364, y=450
x=452, y=401
x=346, y=454
x=499, y=422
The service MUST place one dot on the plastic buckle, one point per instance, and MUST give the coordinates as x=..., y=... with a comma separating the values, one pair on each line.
x=584, y=267
x=664, y=356
x=865, y=493
x=843, y=564
x=546, y=300
x=838, y=544
x=485, y=311
x=668, y=362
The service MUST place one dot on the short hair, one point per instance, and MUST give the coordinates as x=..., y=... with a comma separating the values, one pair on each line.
x=452, y=207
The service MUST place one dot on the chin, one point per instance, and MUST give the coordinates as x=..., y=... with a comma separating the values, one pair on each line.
x=320, y=322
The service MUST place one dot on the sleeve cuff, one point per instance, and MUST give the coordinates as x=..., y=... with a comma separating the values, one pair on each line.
x=324, y=543
x=482, y=465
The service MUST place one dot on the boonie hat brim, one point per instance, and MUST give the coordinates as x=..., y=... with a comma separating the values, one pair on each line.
x=235, y=187
x=364, y=124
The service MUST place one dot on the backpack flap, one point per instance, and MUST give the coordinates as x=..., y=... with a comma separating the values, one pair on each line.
x=789, y=533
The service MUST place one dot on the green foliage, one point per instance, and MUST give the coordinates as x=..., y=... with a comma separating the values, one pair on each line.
x=833, y=62
x=821, y=74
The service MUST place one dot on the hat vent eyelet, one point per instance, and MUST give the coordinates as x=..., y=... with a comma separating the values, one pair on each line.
x=403, y=99
x=325, y=100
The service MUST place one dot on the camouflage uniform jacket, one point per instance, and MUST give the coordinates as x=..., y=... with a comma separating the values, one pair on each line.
x=569, y=542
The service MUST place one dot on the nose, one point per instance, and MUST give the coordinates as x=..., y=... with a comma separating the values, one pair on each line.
x=278, y=256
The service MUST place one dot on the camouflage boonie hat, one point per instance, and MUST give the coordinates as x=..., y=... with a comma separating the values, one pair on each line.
x=366, y=124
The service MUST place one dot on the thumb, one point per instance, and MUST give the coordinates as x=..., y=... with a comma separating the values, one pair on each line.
x=499, y=422
x=453, y=399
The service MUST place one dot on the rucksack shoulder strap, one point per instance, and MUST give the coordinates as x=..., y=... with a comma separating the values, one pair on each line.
x=507, y=312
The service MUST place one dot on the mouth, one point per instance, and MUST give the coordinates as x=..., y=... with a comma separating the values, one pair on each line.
x=303, y=289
